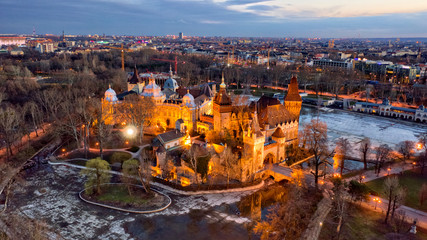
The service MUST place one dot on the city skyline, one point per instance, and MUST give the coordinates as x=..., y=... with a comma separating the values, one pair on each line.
x=251, y=18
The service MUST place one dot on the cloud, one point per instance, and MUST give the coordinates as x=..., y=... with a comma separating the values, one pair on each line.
x=284, y=9
x=211, y=22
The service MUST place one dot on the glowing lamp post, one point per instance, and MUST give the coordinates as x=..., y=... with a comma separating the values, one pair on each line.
x=376, y=200
x=130, y=131
x=419, y=146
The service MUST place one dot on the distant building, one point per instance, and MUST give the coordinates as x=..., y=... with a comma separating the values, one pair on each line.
x=401, y=73
x=331, y=43
x=17, y=52
x=45, y=47
x=387, y=110
x=181, y=35
x=8, y=41
x=348, y=64
x=375, y=68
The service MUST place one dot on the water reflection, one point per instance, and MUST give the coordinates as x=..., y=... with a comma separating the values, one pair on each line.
x=198, y=224
x=256, y=205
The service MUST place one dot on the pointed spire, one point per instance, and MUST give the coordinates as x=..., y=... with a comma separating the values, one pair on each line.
x=109, y=85
x=170, y=71
x=255, y=125
x=222, y=81
x=188, y=91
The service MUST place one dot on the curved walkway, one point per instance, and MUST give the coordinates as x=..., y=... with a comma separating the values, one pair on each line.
x=128, y=210
x=173, y=190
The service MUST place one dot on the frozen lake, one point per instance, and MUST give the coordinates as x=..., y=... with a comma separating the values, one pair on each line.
x=355, y=126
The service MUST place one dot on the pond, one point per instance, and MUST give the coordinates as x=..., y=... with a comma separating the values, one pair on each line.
x=233, y=221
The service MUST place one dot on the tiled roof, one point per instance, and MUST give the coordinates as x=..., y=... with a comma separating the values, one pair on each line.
x=170, y=136
x=274, y=115
x=222, y=98
x=293, y=93
x=279, y=133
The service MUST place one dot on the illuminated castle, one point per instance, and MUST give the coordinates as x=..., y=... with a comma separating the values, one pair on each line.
x=265, y=127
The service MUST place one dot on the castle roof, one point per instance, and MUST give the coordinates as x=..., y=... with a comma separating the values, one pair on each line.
x=265, y=101
x=221, y=97
x=279, y=133
x=293, y=93
x=135, y=77
x=275, y=115
x=152, y=89
x=110, y=95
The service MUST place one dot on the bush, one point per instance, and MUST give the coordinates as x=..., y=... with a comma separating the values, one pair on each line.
x=97, y=173
x=119, y=157
x=358, y=190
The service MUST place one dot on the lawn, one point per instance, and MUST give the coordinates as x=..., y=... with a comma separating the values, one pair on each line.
x=362, y=223
x=356, y=172
x=411, y=180
x=119, y=194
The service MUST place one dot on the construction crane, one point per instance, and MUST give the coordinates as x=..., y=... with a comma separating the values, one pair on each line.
x=168, y=60
x=122, y=49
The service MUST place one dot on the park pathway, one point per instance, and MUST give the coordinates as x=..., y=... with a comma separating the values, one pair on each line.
x=315, y=226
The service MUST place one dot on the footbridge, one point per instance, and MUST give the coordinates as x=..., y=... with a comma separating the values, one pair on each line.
x=277, y=172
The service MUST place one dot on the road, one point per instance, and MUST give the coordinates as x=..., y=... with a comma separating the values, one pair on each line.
x=24, y=140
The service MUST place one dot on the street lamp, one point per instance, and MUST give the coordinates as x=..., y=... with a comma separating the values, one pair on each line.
x=376, y=200
x=419, y=146
x=130, y=131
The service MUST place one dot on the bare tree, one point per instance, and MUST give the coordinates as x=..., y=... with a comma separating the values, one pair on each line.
x=101, y=129
x=391, y=188
x=340, y=204
x=365, y=148
x=193, y=154
x=144, y=170
x=382, y=153
x=422, y=158
x=85, y=107
x=138, y=112
x=398, y=199
x=10, y=119
x=405, y=148
x=35, y=113
x=343, y=149
x=230, y=162
x=316, y=142
x=288, y=219
x=71, y=123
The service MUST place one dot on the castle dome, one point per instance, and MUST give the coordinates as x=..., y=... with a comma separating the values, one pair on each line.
x=188, y=99
x=152, y=89
x=171, y=83
x=110, y=95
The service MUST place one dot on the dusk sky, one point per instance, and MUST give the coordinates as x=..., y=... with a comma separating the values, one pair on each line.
x=271, y=18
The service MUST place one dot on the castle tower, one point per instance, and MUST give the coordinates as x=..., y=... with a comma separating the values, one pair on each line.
x=280, y=137
x=254, y=140
x=293, y=100
x=135, y=83
x=222, y=107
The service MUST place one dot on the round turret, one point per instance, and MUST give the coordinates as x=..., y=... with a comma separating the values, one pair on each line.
x=188, y=100
x=110, y=95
